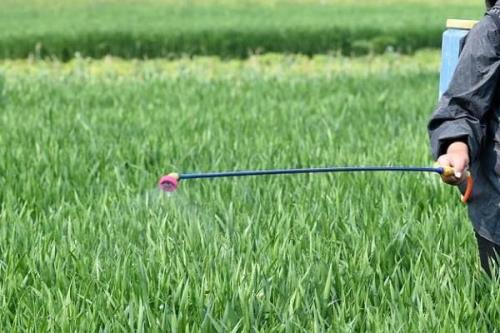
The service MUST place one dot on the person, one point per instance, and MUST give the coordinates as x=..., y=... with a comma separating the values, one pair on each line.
x=464, y=130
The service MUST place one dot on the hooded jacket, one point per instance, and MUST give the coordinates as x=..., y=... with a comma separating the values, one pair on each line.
x=469, y=111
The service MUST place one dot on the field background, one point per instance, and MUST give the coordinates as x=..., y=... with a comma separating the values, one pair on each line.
x=155, y=28
x=87, y=243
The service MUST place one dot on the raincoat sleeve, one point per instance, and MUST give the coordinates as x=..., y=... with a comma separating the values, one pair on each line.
x=462, y=111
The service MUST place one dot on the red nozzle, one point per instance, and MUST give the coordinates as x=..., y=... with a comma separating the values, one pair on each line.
x=169, y=183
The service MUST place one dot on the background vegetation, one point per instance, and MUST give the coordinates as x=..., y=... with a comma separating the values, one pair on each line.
x=155, y=28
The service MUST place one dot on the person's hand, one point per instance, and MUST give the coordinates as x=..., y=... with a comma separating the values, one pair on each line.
x=457, y=157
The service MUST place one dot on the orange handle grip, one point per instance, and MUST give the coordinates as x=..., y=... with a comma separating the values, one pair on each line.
x=449, y=172
x=468, y=189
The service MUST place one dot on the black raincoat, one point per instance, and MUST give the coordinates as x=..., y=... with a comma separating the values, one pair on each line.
x=469, y=111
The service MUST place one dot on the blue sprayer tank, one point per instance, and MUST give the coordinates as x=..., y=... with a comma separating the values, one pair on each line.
x=453, y=40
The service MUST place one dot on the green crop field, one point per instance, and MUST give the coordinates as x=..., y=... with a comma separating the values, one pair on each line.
x=230, y=28
x=99, y=98
x=87, y=243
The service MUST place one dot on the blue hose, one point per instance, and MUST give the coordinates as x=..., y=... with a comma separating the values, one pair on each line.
x=170, y=182
x=307, y=170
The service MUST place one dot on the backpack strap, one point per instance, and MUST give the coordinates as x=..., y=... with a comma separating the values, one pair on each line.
x=495, y=18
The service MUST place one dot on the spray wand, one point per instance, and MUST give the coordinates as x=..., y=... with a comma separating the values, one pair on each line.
x=170, y=182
